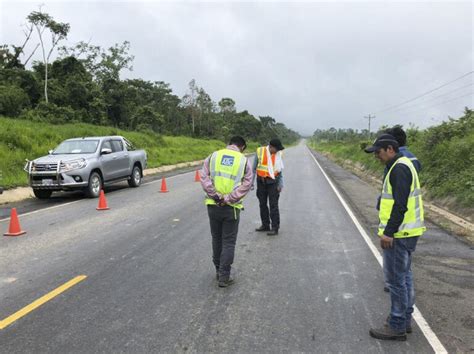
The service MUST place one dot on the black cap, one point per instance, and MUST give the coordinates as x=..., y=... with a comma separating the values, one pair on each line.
x=276, y=143
x=383, y=141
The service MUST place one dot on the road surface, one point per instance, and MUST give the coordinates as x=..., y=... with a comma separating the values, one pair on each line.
x=150, y=285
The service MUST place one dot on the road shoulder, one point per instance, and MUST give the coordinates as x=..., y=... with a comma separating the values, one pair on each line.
x=442, y=264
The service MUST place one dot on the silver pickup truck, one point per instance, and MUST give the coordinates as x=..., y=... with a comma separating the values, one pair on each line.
x=86, y=164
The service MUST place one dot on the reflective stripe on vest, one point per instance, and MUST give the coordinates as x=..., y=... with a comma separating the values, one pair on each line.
x=262, y=168
x=413, y=221
x=227, y=169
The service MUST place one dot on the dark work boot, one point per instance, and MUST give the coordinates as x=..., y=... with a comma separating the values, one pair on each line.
x=263, y=228
x=387, y=333
x=224, y=283
x=386, y=289
x=274, y=232
x=408, y=329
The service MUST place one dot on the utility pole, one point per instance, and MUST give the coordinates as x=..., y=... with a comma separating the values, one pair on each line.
x=369, y=117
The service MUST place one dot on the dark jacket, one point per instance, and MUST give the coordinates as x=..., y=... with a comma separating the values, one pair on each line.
x=400, y=179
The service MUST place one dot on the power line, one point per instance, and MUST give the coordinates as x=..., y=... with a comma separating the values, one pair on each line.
x=432, y=99
x=440, y=103
x=425, y=93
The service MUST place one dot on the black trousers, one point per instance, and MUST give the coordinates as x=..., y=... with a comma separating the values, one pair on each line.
x=267, y=192
x=224, y=223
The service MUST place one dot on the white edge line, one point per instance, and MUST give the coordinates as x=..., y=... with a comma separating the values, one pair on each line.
x=420, y=320
x=39, y=210
x=80, y=200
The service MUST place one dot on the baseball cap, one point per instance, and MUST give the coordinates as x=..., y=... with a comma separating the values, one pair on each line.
x=382, y=141
x=276, y=143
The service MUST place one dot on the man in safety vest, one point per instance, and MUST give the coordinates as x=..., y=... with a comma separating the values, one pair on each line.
x=226, y=178
x=401, y=224
x=268, y=167
x=401, y=137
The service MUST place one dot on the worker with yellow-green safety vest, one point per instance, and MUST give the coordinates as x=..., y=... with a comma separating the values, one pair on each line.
x=226, y=177
x=401, y=222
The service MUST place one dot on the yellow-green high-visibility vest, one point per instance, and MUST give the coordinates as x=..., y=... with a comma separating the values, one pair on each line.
x=227, y=169
x=413, y=223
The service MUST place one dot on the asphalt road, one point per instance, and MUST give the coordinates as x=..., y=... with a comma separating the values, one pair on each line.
x=151, y=286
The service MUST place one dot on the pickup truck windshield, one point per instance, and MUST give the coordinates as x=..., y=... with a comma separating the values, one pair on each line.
x=77, y=147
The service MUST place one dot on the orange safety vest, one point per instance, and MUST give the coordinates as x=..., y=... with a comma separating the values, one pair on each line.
x=262, y=167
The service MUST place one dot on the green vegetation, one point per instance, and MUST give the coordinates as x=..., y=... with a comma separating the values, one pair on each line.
x=445, y=151
x=21, y=139
x=77, y=91
x=83, y=85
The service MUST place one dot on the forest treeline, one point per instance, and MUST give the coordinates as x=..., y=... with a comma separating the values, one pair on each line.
x=82, y=83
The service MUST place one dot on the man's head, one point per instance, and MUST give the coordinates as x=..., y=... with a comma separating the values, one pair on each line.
x=385, y=147
x=275, y=146
x=399, y=134
x=239, y=142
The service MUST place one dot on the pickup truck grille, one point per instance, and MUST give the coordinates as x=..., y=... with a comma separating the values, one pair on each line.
x=45, y=167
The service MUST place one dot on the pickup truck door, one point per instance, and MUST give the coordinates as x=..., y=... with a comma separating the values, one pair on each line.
x=108, y=161
x=122, y=158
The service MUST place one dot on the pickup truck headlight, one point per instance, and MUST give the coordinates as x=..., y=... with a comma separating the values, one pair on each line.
x=73, y=165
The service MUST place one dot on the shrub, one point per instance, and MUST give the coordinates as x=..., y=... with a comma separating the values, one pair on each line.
x=13, y=100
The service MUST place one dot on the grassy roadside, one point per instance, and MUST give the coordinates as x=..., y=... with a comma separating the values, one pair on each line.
x=22, y=139
x=438, y=185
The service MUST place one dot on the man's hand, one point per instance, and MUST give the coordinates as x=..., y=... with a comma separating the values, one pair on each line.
x=386, y=242
x=219, y=199
x=279, y=189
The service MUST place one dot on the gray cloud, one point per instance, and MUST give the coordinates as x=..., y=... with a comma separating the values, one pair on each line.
x=309, y=65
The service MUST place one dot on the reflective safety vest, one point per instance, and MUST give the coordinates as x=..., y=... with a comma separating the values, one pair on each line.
x=262, y=167
x=413, y=223
x=227, y=169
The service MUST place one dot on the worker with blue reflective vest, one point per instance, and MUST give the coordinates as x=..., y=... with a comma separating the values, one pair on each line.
x=401, y=223
x=226, y=178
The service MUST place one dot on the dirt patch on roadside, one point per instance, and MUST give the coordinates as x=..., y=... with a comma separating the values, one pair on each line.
x=16, y=195
x=161, y=169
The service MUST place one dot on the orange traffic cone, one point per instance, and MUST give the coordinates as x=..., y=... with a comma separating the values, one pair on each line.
x=102, y=201
x=164, y=189
x=14, y=229
x=197, y=177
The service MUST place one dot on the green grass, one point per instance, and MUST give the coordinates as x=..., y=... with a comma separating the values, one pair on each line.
x=349, y=151
x=22, y=139
x=447, y=171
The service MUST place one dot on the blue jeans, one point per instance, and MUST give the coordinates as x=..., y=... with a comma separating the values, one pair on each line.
x=399, y=278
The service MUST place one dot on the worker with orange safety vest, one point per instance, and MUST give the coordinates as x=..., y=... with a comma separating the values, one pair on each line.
x=268, y=168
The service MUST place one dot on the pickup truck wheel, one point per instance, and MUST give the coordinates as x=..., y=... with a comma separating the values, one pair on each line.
x=95, y=185
x=42, y=193
x=135, y=177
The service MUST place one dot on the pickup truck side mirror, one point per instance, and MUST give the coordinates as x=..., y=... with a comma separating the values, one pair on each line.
x=105, y=151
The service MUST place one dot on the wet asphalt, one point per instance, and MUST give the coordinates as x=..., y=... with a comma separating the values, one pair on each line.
x=151, y=287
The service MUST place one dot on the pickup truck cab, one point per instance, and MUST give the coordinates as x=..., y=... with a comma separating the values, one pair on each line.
x=86, y=164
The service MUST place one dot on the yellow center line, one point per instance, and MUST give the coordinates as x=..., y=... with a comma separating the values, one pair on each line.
x=37, y=303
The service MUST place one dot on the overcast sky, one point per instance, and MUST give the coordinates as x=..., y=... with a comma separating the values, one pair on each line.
x=309, y=65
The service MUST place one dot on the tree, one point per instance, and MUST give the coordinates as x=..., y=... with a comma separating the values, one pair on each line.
x=246, y=125
x=12, y=100
x=190, y=103
x=103, y=65
x=8, y=59
x=42, y=21
x=205, y=108
x=227, y=105
x=145, y=117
